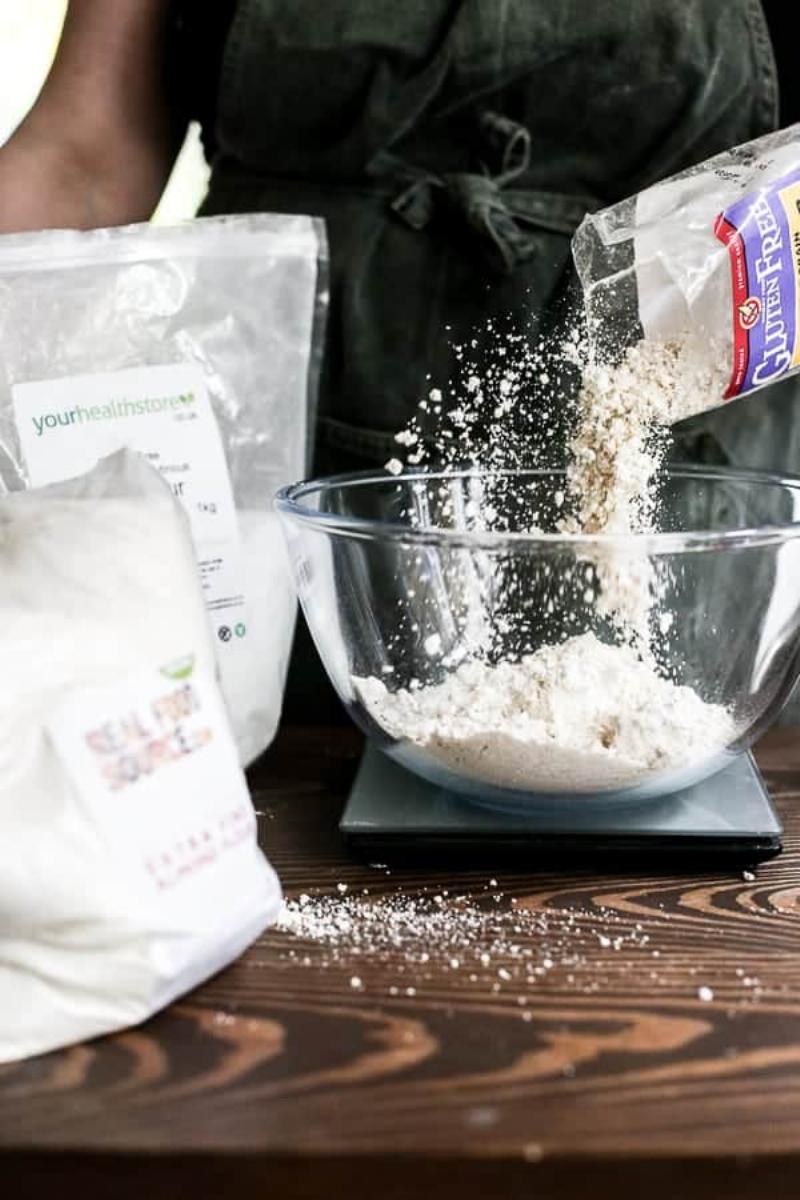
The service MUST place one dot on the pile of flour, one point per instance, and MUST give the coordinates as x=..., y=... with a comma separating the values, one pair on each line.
x=575, y=716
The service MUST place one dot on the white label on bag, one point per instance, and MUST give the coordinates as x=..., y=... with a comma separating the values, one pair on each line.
x=65, y=425
x=155, y=767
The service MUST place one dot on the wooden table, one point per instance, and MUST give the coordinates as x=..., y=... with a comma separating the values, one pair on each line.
x=280, y=1079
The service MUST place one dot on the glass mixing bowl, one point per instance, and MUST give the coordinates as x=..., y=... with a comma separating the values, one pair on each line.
x=403, y=587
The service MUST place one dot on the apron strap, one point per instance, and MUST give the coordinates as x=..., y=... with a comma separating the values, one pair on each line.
x=499, y=217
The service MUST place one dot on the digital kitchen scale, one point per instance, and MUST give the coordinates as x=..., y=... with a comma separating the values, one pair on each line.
x=395, y=816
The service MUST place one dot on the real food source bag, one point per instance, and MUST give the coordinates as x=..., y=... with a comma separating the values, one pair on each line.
x=129, y=869
x=196, y=345
x=710, y=257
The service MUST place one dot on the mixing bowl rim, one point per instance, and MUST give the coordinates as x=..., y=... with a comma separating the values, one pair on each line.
x=288, y=502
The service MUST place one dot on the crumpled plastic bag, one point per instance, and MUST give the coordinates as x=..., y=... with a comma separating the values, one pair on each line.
x=710, y=257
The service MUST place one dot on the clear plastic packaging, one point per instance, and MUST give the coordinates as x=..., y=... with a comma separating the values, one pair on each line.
x=710, y=258
x=197, y=345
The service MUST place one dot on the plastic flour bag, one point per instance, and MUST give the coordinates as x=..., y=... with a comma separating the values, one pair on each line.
x=196, y=346
x=709, y=259
x=129, y=869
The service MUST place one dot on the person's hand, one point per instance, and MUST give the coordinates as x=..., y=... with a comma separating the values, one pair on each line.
x=98, y=145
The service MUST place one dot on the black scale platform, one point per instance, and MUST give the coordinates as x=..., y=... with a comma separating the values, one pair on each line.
x=395, y=816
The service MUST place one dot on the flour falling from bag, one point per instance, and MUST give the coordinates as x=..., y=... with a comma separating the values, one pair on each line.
x=667, y=264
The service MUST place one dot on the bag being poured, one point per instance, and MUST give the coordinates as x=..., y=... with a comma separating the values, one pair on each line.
x=129, y=869
x=197, y=346
x=708, y=264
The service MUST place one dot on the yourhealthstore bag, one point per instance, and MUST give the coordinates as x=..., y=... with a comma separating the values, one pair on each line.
x=198, y=346
x=129, y=868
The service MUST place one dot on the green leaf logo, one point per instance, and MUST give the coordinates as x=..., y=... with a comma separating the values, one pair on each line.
x=181, y=668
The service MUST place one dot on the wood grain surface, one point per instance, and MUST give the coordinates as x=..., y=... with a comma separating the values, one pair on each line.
x=608, y=1074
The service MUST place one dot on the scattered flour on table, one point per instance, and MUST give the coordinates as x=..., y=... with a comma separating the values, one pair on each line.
x=579, y=715
x=389, y=943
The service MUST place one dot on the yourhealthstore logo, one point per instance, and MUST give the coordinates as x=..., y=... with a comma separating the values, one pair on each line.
x=114, y=410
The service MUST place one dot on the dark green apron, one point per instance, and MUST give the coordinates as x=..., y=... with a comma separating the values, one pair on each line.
x=452, y=147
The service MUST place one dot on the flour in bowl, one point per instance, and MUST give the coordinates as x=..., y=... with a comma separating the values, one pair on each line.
x=581, y=715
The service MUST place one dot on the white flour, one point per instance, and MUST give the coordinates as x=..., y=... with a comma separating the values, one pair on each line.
x=576, y=716
x=253, y=667
x=581, y=714
x=389, y=944
x=620, y=438
x=615, y=458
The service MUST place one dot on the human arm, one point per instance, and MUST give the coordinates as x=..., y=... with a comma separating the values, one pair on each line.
x=98, y=145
